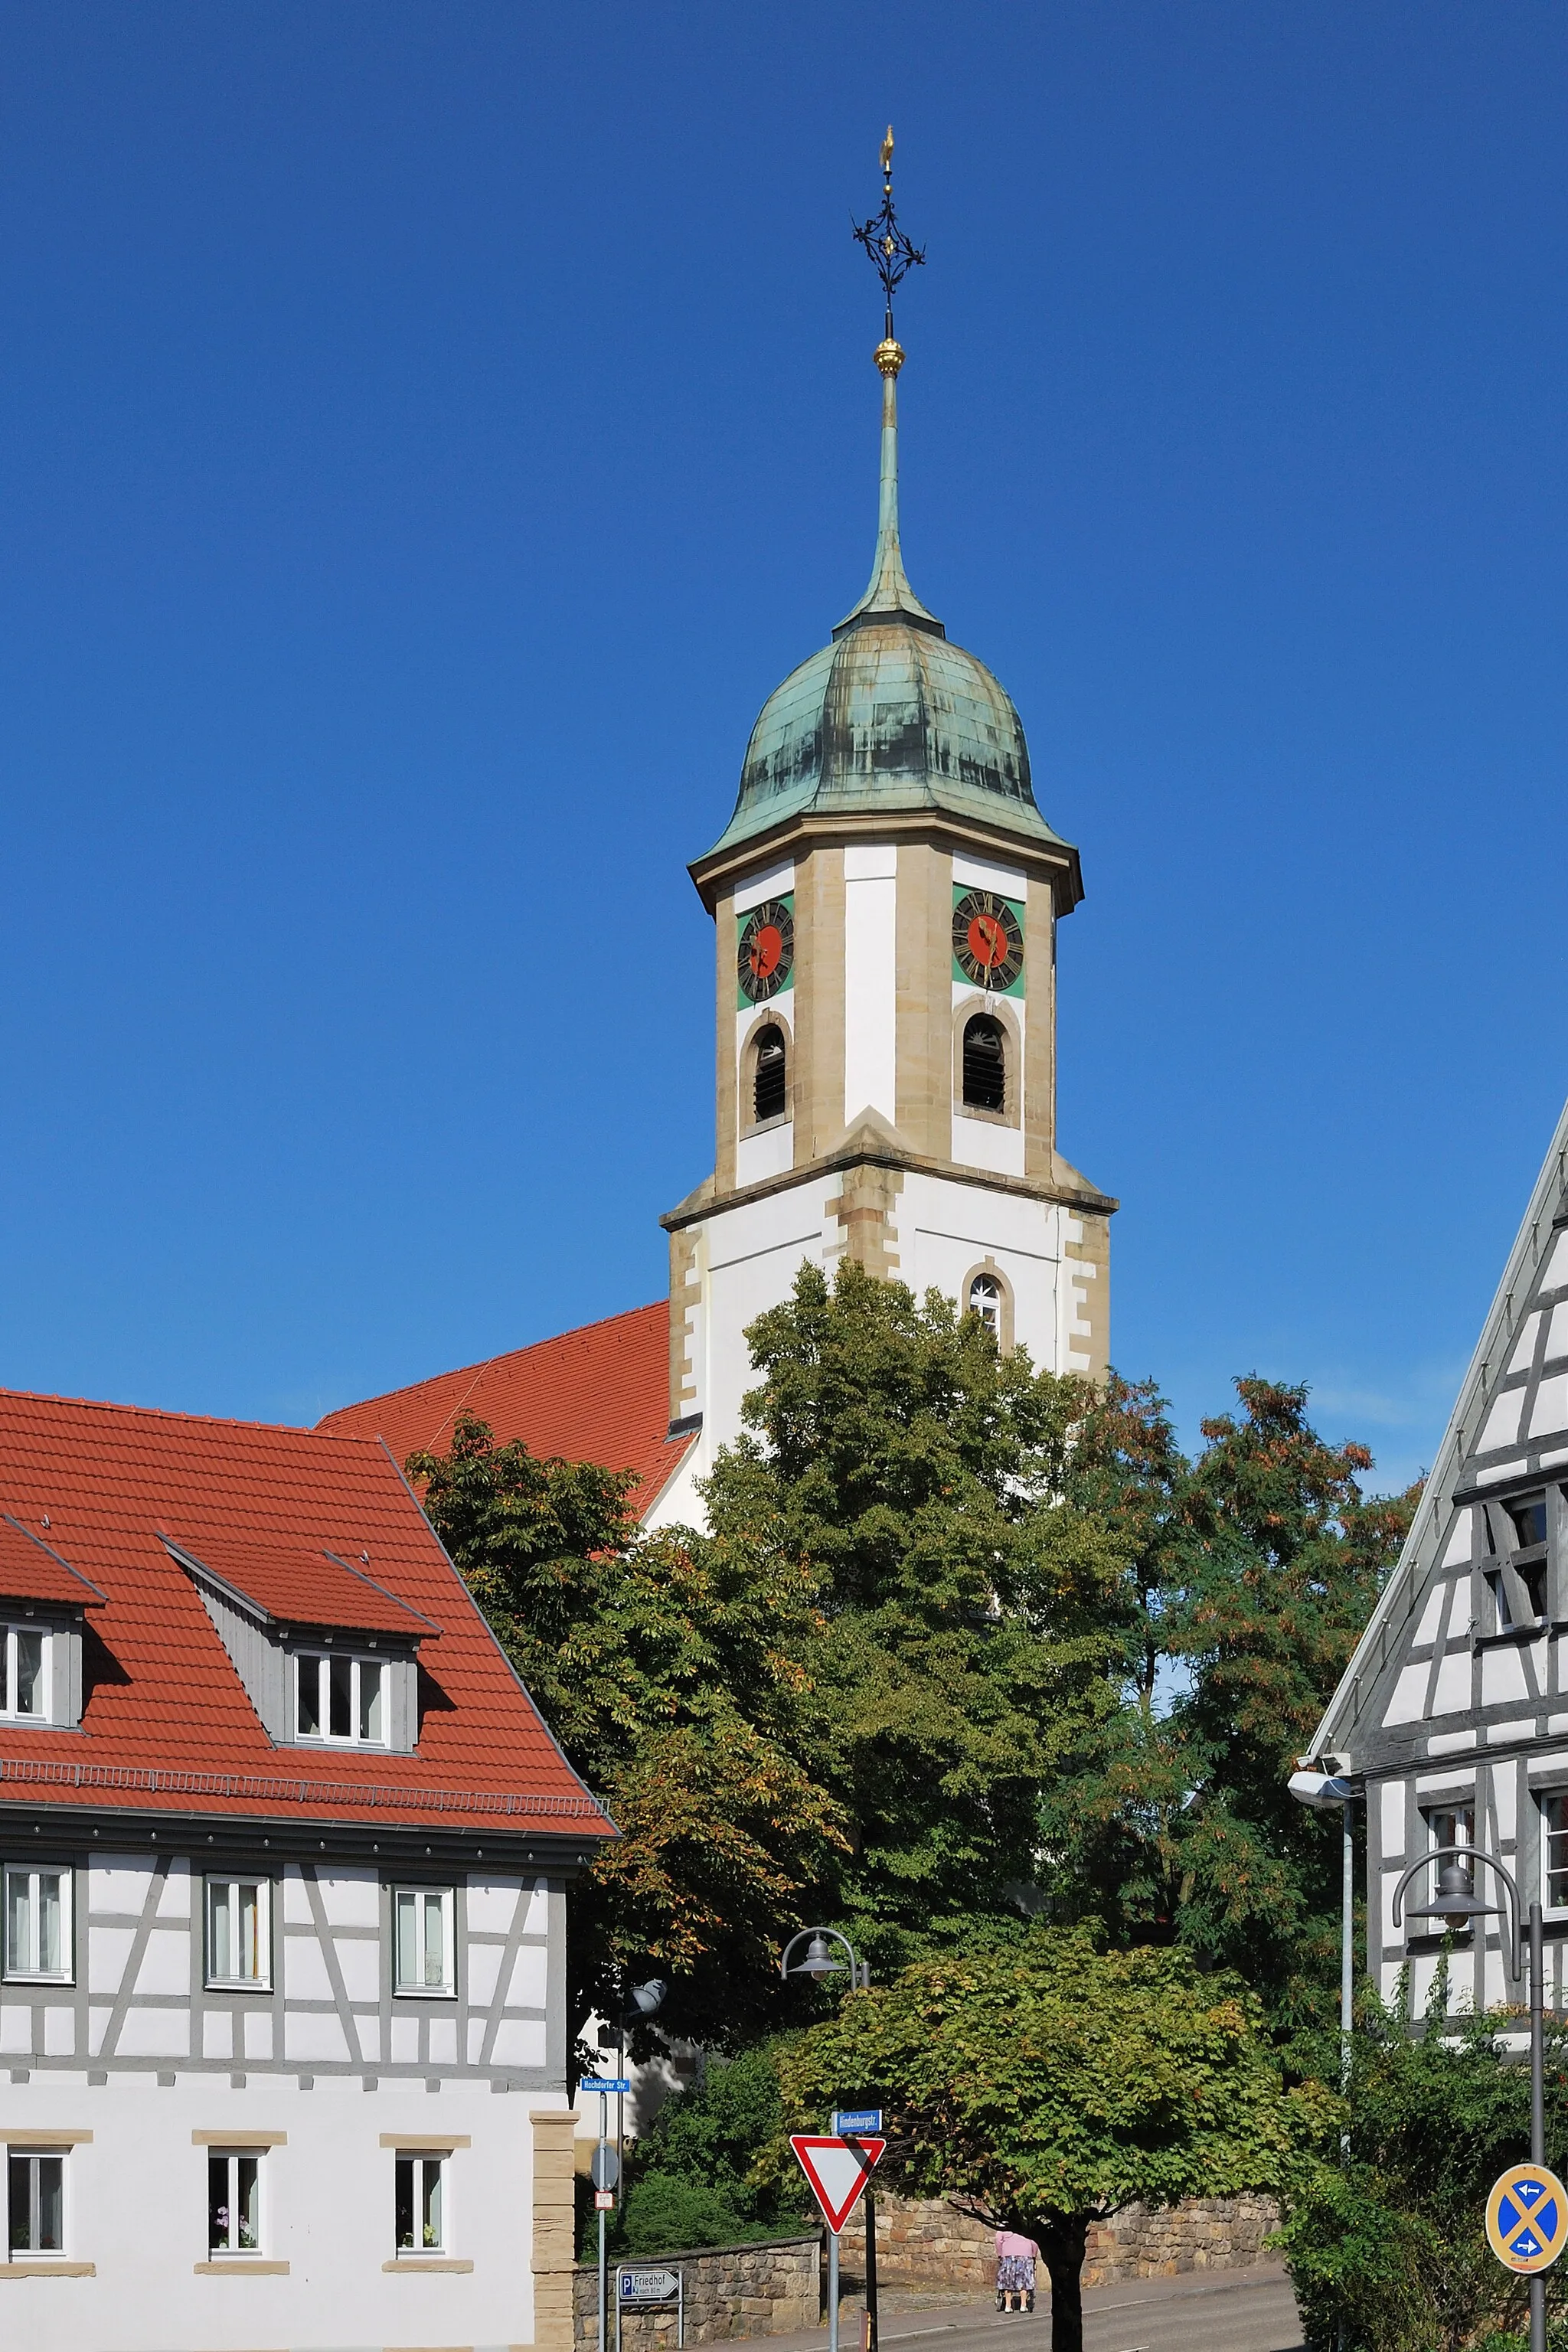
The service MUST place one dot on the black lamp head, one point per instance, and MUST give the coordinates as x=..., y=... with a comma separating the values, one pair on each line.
x=1456, y=1903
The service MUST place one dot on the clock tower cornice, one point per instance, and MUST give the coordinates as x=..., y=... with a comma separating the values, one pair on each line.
x=1057, y=865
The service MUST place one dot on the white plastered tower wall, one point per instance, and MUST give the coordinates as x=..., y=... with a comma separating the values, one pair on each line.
x=1455, y=1702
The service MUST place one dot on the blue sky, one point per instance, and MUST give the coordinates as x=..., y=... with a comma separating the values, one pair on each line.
x=427, y=433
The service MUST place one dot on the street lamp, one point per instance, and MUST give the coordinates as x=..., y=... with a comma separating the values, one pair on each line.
x=819, y=1964
x=1457, y=1905
x=1328, y=1793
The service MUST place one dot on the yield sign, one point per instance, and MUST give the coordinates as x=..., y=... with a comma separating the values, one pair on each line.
x=838, y=2171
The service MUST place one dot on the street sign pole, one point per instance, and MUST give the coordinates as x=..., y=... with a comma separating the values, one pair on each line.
x=833, y=2290
x=870, y=2331
x=604, y=2251
x=1537, y=2107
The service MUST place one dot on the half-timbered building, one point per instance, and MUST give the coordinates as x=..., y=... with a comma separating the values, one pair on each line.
x=1452, y=1716
x=284, y=1846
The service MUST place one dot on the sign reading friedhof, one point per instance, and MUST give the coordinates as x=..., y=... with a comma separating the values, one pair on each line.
x=649, y=2286
x=1527, y=2218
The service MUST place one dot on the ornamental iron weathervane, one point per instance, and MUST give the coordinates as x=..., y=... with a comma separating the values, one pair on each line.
x=892, y=255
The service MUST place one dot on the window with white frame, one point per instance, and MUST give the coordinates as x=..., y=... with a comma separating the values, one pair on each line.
x=25, y=1674
x=341, y=1697
x=1450, y=1825
x=425, y=1948
x=239, y=1932
x=37, y=1923
x=986, y=1300
x=234, y=2200
x=1554, y=1848
x=420, y=2203
x=35, y=2200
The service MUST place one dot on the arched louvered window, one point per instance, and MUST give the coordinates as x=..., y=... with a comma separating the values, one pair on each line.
x=770, y=1095
x=986, y=1300
x=985, y=1064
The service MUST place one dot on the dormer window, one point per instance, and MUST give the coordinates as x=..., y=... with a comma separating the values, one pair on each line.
x=340, y=1698
x=25, y=1674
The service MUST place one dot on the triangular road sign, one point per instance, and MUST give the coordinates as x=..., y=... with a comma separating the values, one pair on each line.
x=838, y=2171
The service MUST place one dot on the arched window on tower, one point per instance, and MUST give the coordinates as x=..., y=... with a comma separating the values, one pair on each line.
x=985, y=1064
x=769, y=1087
x=986, y=1300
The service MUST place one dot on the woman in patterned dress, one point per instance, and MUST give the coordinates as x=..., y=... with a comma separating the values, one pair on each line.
x=1015, y=2260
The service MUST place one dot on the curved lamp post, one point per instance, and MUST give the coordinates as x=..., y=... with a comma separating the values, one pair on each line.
x=819, y=1964
x=1457, y=1905
x=819, y=1961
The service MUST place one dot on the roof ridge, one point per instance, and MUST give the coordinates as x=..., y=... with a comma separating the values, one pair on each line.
x=172, y=1413
x=487, y=1363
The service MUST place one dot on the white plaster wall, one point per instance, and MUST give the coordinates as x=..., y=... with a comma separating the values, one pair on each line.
x=748, y=1256
x=986, y=1143
x=772, y=1154
x=870, y=979
x=136, y=2209
x=775, y=881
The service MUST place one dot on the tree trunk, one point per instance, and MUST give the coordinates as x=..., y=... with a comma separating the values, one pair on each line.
x=1061, y=2243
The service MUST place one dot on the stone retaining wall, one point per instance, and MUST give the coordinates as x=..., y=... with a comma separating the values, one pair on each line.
x=928, y=2248
x=755, y=2290
x=925, y=2254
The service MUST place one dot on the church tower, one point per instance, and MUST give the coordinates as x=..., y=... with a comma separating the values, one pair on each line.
x=885, y=901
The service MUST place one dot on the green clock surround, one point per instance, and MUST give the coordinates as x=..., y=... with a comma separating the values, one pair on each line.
x=764, y=952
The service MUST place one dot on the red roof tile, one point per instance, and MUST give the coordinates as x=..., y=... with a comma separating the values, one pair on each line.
x=167, y=1721
x=296, y=1587
x=600, y=1393
x=31, y=1570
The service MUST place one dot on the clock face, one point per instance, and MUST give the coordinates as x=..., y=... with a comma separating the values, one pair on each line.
x=765, y=956
x=987, y=940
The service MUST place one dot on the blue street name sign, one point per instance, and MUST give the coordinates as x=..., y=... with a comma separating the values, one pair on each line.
x=612, y=2082
x=855, y=2121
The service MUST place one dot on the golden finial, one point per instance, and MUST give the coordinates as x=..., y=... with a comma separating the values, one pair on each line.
x=888, y=152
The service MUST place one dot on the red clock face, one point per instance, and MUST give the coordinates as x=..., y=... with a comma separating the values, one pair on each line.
x=987, y=940
x=765, y=956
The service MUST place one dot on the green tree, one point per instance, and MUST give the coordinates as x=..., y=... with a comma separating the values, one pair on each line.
x=1244, y=1580
x=1288, y=1555
x=1043, y=2088
x=1386, y=2246
x=693, y=2178
x=675, y=1679
x=964, y=1655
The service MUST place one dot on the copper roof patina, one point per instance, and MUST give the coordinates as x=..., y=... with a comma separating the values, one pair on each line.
x=890, y=717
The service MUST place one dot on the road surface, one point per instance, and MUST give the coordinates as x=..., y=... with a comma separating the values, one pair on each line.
x=1203, y=2311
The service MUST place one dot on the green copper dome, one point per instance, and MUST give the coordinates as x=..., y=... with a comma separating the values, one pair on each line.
x=890, y=717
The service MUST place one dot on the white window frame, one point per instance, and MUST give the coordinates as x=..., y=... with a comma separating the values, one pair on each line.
x=424, y=1896
x=218, y=1888
x=14, y=1972
x=10, y=1633
x=422, y=2160
x=359, y=1666
x=22, y=2151
x=232, y=2157
x=1543, y=1799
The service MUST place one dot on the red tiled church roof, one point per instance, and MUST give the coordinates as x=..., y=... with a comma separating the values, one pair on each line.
x=600, y=1393
x=167, y=1721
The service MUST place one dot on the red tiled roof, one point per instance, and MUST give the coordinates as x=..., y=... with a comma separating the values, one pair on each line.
x=293, y=1586
x=167, y=1721
x=600, y=1393
x=30, y=1570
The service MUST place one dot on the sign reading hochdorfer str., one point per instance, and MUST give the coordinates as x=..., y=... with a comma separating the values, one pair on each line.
x=1527, y=2218
x=649, y=2286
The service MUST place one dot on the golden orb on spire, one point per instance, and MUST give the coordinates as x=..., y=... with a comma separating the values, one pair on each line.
x=888, y=355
